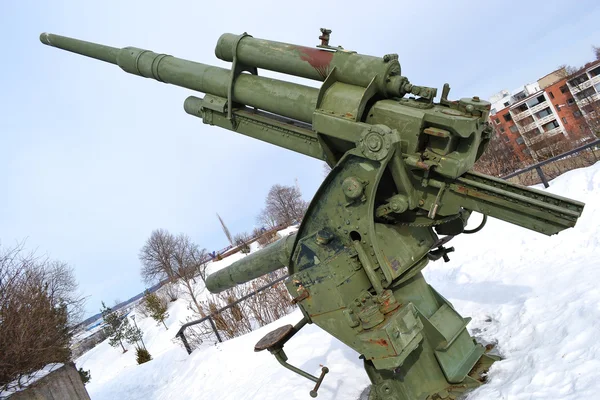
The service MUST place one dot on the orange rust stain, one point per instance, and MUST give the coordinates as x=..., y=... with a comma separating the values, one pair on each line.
x=380, y=342
x=318, y=59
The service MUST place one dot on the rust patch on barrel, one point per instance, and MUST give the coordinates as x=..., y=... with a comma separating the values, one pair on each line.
x=319, y=59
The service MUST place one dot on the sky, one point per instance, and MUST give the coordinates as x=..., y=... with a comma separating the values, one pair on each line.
x=93, y=159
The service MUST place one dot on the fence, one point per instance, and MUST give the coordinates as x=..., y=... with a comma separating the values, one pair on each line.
x=211, y=318
x=540, y=172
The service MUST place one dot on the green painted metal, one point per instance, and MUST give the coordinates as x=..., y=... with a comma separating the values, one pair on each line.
x=401, y=177
x=273, y=257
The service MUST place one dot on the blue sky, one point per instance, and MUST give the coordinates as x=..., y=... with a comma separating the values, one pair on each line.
x=93, y=159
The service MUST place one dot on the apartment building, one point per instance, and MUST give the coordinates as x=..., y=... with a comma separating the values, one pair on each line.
x=536, y=119
x=585, y=87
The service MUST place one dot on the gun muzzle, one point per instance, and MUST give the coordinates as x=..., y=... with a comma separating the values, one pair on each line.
x=255, y=265
x=279, y=97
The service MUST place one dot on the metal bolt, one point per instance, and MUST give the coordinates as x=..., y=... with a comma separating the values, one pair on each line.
x=475, y=98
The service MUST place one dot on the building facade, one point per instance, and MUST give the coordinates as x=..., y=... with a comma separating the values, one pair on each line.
x=539, y=119
x=585, y=87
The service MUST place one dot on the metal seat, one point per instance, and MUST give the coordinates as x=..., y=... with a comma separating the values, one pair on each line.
x=274, y=339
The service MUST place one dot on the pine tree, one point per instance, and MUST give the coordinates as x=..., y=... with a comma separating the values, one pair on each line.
x=134, y=335
x=142, y=355
x=156, y=307
x=117, y=326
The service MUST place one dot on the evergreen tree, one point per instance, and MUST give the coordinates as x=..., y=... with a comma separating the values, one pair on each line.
x=156, y=307
x=142, y=355
x=117, y=326
x=134, y=335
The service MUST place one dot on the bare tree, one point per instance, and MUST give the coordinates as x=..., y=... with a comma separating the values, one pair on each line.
x=498, y=159
x=241, y=241
x=284, y=205
x=39, y=307
x=157, y=257
x=187, y=257
x=177, y=258
x=266, y=220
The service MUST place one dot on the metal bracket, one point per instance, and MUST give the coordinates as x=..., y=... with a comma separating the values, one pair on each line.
x=236, y=69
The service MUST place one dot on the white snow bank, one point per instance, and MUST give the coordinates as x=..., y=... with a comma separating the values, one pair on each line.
x=535, y=296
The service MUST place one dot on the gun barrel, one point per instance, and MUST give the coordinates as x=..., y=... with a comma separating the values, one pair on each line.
x=88, y=49
x=307, y=62
x=283, y=98
x=269, y=259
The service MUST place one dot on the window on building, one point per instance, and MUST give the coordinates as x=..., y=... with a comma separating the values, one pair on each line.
x=585, y=94
x=506, y=104
x=544, y=113
x=595, y=71
x=493, y=111
x=590, y=108
x=570, y=101
x=519, y=96
x=579, y=80
x=526, y=151
x=497, y=120
x=557, y=107
x=531, y=133
x=551, y=95
x=535, y=101
x=550, y=125
x=564, y=120
x=564, y=89
x=521, y=108
x=577, y=114
x=520, y=140
x=526, y=121
x=507, y=117
x=501, y=129
x=514, y=129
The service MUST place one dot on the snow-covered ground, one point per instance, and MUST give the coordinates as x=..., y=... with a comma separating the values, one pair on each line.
x=536, y=297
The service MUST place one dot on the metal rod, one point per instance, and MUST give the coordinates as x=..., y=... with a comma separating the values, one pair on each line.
x=324, y=371
x=185, y=343
x=281, y=357
x=181, y=332
x=542, y=176
x=568, y=153
x=212, y=323
x=141, y=338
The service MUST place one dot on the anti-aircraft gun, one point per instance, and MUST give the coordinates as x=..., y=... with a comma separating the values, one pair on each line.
x=401, y=175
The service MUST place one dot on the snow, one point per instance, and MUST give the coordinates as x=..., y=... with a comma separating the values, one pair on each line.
x=535, y=297
x=28, y=380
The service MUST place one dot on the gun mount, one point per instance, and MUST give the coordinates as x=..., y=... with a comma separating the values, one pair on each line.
x=401, y=177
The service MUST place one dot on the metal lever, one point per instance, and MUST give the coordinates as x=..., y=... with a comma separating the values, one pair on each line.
x=324, y=370
x=274, y=341
x=440, y=252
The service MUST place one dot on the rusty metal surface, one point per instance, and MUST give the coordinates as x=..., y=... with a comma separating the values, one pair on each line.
x=274, y=338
